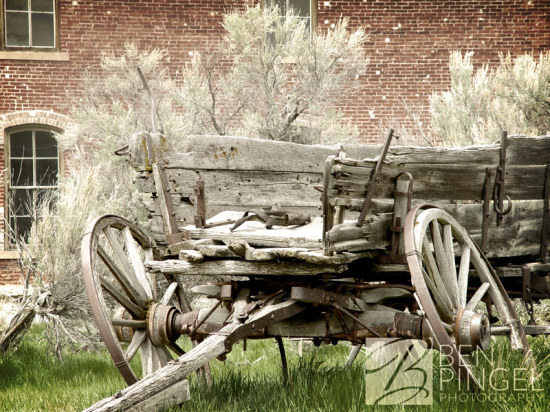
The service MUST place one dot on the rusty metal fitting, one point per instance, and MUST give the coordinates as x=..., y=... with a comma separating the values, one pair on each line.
x=472, y=331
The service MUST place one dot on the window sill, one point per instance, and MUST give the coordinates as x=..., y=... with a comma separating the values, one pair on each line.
x=34, y=55
x=9, y=254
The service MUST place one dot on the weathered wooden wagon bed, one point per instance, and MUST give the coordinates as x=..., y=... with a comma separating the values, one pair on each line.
x=329, y=243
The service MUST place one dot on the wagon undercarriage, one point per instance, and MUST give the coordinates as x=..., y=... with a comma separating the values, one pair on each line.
x=391, y=267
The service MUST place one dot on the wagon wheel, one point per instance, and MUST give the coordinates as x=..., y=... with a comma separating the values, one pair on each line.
x=124, y=297
x=433, y=242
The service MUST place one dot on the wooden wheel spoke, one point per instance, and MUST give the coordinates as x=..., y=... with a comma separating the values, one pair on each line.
x=451, y=264
x=130, y=306
x=443, y=303
x=136, y=262
x=431, y=267
x=137, y=340
x=128, y=287
x=169, y=293
x=463, y=274
x=443, y=262
x=152, y=358
x=478, y=296
x=122, y=258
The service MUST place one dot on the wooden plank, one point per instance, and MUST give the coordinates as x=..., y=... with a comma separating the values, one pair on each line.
x=255, y=234
x=241, y=153
x=169, y=397
x=437, y=181
x=241, y=268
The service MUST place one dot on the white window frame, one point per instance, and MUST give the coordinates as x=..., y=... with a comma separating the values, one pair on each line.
x=34, y=187
x=29, y=13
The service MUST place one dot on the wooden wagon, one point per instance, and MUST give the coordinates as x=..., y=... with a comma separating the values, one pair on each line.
x=326, y=243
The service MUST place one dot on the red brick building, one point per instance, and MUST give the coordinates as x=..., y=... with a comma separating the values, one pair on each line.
x=46, y=44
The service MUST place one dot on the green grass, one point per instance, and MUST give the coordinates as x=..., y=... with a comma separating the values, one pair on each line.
x=32, y=380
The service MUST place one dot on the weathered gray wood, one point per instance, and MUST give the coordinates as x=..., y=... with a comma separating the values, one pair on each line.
x=193, y=256
x=228, y=152
x=255, y=234
x=316, y=257
x=241, y=268
x=437, y=181
x=217, y=251
x=170, y=397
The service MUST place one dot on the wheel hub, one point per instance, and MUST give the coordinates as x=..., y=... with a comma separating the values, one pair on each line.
x=165, y=324
x=472, y=331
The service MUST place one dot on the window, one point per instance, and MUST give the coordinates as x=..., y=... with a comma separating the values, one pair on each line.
x=34, y=167
x=303, y=8
x=29, y=24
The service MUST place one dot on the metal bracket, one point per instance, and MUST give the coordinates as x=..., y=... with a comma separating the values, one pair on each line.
x=374, y=181
x=498, y=194
x=545, y=218
x=486, y=213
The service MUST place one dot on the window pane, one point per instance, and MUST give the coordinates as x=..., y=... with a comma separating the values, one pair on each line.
x=17, y=29
x=17, y=5
x=280, y=3
x=21, y=172
x=22, y=202
x=47, y=196
x=21, y=144
x=42, y=5
x=301, y=7
x=42, y=30
x=46, y=145
x=46, y=172
x=21, y=226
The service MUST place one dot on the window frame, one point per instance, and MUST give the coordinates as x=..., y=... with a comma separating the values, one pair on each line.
x=43, y=49
x=9, y=188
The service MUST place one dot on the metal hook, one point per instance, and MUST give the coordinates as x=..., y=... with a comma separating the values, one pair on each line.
x=508, y=208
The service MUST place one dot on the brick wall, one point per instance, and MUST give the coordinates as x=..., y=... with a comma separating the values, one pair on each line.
x=410, y=42
x=409, y=46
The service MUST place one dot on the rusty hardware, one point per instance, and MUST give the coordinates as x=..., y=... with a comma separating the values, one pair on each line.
x=122, y=151
x=545, y=218
x=486, y=213
x=498, y=195
x=273, y=217
x=200, y=217
x=526, y=295
x=407, y=325
x=322, y=297
x=374, y=180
